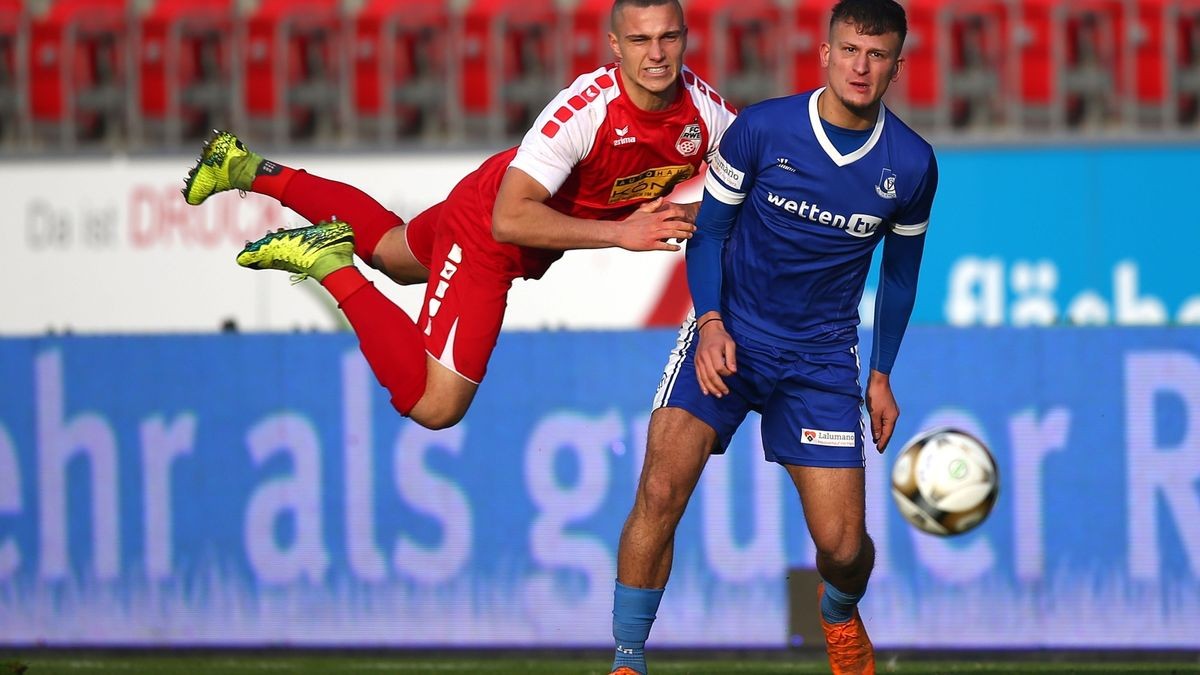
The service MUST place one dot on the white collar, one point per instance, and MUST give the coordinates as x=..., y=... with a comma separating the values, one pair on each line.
x=838, y=158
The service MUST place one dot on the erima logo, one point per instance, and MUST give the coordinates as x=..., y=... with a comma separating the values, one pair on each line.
x=832, y=439
x=622, y=137
x=623, y=130
x=857, y=224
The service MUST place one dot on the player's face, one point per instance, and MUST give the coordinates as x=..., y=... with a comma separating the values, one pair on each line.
x=859, y=69
x=649, y=42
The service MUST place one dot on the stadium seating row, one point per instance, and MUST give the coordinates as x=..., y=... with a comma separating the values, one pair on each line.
x=160, y=72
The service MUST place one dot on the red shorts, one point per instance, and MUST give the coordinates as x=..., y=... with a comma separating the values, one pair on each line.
x=470, y=274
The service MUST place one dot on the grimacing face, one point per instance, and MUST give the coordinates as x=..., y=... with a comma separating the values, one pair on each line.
x=648, y=43
x=859, y=70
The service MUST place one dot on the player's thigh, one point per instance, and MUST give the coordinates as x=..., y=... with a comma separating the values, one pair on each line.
x=405, y=252
x=447, y=397
x=834, y=503
x=678, y=445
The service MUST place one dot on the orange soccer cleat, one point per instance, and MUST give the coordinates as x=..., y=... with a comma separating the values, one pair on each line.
x=847, y=644
x=624, y=670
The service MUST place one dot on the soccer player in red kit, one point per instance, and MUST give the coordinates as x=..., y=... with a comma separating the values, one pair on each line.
x=592, y=172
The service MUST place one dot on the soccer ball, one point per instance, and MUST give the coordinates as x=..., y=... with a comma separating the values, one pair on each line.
x=945, y=481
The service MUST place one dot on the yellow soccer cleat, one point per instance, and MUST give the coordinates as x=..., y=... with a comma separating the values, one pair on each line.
x=847, y=644
x=312, y=251
x=224, y=164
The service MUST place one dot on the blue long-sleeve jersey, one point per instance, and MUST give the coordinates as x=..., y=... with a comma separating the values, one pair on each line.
x=788, y=225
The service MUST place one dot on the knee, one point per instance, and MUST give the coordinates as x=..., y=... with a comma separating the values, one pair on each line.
x=848, y=552
x=436, y=420
x=662, y=496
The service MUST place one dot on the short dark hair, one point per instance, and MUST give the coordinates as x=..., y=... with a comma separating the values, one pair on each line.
x=619, y=5
x=871, y=17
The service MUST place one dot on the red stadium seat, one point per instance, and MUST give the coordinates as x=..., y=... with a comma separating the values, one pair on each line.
x=401, y=68
x=956, y=69
x=77, y=70
x=292, y=66
x=1183, y=56
x=1072, y=60
x=184, y=68
x=14, y=85
x=739, y=46
x=810, y=28
x=509, y=55
x=587, y=35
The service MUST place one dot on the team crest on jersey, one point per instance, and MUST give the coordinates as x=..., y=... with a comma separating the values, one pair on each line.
x=887, y=185
x=650, y=184
x=689, y=141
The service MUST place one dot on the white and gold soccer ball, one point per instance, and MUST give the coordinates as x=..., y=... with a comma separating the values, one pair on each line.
x=945, y=481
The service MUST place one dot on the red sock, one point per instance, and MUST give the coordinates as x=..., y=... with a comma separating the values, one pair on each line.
x=319, y=199
x=392, y=343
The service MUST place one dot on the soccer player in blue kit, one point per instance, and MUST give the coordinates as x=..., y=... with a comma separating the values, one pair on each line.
x=801, y=192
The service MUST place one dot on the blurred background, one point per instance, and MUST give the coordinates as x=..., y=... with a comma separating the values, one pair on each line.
x=196, y=454
x=154, y=74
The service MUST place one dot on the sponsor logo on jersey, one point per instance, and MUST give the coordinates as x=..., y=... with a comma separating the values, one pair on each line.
x=623, y=137
x=688, y=143
x=856, y=224
x=887, y=185
x=650, y=184
x=728, y=175
x=832, y=439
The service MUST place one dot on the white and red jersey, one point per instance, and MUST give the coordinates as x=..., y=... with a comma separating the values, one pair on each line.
x=600, y=156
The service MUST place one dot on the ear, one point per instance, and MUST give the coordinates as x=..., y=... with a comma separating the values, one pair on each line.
x=615, y=45
x=824, y=51
x=897, y=68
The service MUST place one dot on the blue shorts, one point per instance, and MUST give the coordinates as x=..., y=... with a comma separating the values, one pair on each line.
x=811, y=403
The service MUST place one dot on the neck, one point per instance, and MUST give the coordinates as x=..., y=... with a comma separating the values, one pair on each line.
x=837, y=113
x=648, y=100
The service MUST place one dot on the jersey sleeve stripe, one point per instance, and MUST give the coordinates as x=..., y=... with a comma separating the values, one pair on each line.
x=910, y=230
x=717, y=189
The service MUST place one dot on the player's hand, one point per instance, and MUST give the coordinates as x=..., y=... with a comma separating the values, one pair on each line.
x=881, y=405
x=716, y=356
x=654, y=225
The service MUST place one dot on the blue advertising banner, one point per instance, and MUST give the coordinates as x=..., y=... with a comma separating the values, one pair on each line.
x=1073, y=234
x=259, y=490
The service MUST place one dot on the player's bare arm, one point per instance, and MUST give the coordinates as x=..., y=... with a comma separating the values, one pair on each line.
x=881, y=405
x=716, y=355
x=521, y=216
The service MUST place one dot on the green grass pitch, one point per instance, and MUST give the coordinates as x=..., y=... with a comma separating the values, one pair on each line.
x=226, y=662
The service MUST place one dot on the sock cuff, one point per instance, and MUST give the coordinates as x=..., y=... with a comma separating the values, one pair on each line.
x=343, y=283
x=638, y=604
x=841, y=597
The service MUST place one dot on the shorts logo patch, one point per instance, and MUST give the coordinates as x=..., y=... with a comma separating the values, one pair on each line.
x=650, y=183
x=832, y=439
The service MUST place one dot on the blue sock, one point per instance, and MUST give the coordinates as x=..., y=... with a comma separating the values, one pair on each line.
x=837, y=606
x=634, y=610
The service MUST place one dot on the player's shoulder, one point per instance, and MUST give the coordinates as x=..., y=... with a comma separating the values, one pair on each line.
x=703, y=94
x=781, y=111
x=911, y=143
x=590, y=85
